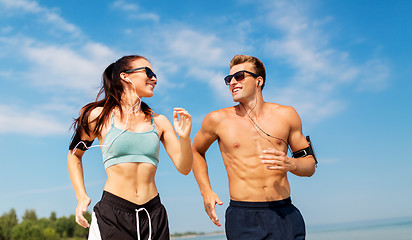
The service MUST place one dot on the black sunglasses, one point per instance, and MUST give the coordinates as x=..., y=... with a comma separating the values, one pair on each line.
x=149, y=73
x=239, y=76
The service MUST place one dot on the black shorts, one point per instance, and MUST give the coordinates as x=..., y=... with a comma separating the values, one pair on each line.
x=116, y=218
x=264, y=220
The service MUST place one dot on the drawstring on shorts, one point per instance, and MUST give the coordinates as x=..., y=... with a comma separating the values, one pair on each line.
x=137, y=223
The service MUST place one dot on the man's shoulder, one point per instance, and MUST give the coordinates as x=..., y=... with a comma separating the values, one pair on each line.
x=282, y=110
x=217, y=116
x=221, y=112
x=279, y=107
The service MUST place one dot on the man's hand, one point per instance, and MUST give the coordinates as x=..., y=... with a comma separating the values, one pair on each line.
x=210, y=201
x=277, y=160
x=80, y=209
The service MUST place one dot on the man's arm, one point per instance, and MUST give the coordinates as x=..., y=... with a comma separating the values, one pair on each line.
x=201, y=143
x=304, y=166
x=278, y=160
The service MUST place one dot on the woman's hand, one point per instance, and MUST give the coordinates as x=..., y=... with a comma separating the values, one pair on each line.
x=184, y=124
x=80, y=209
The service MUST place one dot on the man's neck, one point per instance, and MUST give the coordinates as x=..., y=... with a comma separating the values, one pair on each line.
x=253, y=107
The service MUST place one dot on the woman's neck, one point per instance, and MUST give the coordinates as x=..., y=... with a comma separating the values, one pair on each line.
x=130, y=102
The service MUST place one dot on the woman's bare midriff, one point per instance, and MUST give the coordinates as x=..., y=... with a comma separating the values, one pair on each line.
x=134, y=182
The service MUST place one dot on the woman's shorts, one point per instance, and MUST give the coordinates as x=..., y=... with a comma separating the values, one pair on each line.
x=116, y=218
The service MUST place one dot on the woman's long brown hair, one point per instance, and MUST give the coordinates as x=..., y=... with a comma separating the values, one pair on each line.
x=111, y=90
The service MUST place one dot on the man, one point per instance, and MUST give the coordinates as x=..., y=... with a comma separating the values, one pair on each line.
x=253, y=138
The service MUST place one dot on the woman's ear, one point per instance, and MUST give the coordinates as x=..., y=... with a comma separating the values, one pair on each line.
x=124, y=77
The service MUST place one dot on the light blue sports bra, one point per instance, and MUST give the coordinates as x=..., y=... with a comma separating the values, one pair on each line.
x=130, y=146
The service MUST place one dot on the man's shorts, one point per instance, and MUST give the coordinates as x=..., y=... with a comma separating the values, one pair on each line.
x=116, y=218
x=264, y=220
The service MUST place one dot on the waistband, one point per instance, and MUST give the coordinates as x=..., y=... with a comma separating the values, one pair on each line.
x=127, y=206
x=271, y=204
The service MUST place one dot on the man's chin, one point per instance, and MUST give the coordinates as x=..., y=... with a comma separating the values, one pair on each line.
x=236, y=100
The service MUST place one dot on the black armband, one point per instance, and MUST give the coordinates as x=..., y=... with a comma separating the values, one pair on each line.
x=78, y=143
x=306, y=151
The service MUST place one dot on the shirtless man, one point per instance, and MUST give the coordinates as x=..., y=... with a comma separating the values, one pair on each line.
x=253, y=138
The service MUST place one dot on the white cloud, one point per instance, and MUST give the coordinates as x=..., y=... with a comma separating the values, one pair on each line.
x=24, y=121
x=125, y=6
x=374, y=75
x=146, y=16
x=44, y=14
x=22, y=5
x=320, y=69
x=313, y=105
x=61, y=23
x=134, y=11
x=195, y=46
x=305, y=47
x=6, y=29
x=200, y=55
x=5, y=74
x=64, y=67
x=60, y=66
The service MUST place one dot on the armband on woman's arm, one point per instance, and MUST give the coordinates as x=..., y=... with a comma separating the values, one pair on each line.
x=80, y=144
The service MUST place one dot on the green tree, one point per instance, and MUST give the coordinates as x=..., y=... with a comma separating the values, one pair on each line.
x=30, y=214
x=27, y=230
x=7, y=222
x=65, y=227
x=53, y=216
x=46, y=223
x=32, y=228
x=50, y=234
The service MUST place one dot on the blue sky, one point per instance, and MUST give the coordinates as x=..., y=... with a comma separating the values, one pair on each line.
x=344, y=65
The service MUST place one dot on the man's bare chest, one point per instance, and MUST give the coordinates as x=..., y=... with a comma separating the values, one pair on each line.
x=249, y=135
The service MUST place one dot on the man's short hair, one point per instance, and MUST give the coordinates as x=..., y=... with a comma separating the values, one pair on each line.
x=258, y=65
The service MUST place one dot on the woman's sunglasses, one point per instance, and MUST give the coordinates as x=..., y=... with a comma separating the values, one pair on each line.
x=149, y=73
x=239, y=76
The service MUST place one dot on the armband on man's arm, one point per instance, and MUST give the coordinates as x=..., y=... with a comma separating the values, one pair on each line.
x=80, y=144
x=306, y=151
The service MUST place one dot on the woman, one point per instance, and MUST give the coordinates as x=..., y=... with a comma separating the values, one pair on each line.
x=129, y=133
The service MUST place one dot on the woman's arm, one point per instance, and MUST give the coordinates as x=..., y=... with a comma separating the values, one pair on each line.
x=74, y=163
x=179, y=151
x=75, y=167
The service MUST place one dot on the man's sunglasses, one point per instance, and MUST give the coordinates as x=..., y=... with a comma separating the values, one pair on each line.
x=149, y=73
x=239, y=76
